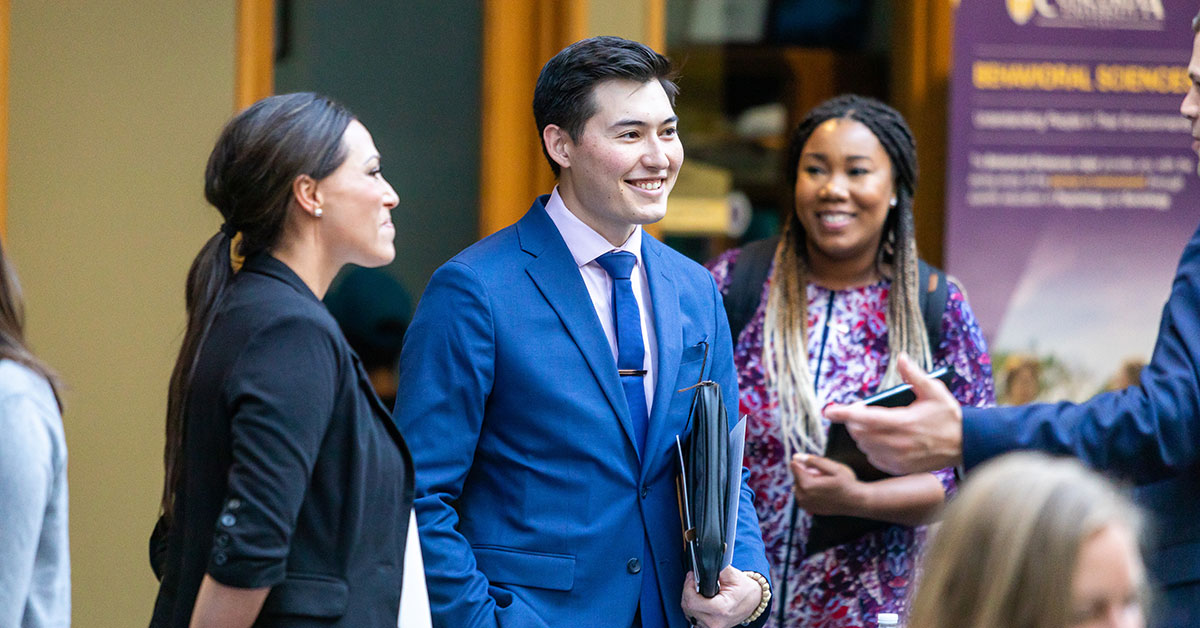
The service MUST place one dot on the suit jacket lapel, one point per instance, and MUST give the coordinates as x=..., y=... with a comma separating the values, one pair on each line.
x=377, y=408
x=661, y=435
x=389, y=423
x=556, y=275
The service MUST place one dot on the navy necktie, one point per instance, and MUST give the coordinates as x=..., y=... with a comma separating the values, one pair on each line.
x=631, y=365
x=631, y=352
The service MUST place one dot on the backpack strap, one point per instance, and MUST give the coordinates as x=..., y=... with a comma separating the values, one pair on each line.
x=749, y=273
x=746, y=281
x=932, y=299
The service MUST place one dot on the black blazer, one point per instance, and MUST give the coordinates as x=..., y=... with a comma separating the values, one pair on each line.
x=294, y=474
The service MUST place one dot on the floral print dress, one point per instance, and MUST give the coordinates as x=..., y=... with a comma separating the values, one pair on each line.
x=847, y=585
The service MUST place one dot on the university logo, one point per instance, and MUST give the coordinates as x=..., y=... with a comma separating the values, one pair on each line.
x=1089, y=14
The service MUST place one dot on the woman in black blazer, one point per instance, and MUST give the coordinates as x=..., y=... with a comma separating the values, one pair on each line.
x=288, y=486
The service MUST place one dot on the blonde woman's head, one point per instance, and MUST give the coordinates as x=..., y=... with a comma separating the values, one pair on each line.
x=1033, y=542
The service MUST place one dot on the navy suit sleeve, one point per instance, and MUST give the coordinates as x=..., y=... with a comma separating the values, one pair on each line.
x=281, y=395
x=1146, y=432
x=749, y=554
x=446, y=373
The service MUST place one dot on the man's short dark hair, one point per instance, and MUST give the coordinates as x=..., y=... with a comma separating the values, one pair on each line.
x=563, y=95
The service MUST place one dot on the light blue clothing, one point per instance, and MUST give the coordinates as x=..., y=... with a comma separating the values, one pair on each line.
x=35, y=570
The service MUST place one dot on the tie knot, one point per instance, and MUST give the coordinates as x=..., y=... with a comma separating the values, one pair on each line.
x=618, y=264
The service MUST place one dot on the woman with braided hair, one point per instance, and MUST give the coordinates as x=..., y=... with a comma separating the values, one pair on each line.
x=840, y=300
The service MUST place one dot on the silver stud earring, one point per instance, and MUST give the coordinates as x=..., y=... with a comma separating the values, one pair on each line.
x=317, y=212
x=891, y=203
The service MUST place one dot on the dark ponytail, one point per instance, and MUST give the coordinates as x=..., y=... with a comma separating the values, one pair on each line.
x=249, y=180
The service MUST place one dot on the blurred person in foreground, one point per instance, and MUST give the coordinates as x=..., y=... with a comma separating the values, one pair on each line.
x=35, y=568
x=1033, y=542
x=1149, y=432
x=544, y=380
x=842, y=297
x=288, y=487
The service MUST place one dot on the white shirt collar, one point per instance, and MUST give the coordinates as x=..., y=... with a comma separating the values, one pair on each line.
x=585, y=243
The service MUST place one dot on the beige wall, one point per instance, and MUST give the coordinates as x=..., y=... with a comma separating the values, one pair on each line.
x=624, y=18
x=113, y=108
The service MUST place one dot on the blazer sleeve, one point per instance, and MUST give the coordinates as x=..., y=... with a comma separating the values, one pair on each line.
x=281, y=395
x=447, y=369
x=963, y=348
x=1146, y=432
x=749, y=553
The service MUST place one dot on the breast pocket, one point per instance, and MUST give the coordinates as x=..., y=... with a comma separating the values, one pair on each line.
x=692, y=365
x=539, y=570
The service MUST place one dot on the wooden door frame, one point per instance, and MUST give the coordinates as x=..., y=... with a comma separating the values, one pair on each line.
x=921, y=56
x=254, y=73
x=518, y=37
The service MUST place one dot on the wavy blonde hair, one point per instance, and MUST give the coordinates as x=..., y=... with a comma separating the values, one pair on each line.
x=1005, y=554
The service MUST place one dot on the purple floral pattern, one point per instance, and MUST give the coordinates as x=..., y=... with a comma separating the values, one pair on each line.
x=848, y=585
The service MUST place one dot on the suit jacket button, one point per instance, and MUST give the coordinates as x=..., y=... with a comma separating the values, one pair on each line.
x=633, y=566
x=645, y=491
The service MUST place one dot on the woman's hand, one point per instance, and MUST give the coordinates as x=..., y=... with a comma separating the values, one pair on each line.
x=222, y=606
x=826, y=487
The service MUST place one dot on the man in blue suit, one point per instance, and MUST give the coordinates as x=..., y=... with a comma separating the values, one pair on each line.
x=1149, y=433
x=541, y=381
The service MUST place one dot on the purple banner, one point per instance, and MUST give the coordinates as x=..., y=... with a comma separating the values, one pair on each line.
x=1072, y=186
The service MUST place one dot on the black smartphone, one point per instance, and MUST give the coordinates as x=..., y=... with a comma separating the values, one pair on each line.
x=841, y=446
x=903, y=394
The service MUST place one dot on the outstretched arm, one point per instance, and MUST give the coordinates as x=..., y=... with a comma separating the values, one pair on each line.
x=1145, y=432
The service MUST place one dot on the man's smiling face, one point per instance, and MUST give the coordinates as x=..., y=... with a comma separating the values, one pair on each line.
x=619, y=171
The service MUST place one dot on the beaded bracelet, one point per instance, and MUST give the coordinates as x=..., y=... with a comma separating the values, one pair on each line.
x=766, y=596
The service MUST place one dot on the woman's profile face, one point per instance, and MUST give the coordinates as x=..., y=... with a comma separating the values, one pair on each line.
x=356, y=205
x=1107, y=585
x=843, y=190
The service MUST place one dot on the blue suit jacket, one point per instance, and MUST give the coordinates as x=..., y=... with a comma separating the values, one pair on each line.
x=531, y=496
x=1149, y=433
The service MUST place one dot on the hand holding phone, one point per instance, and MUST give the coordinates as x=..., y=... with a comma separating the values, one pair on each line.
x=832, y=530
x=841, y=446
x=903, y=394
